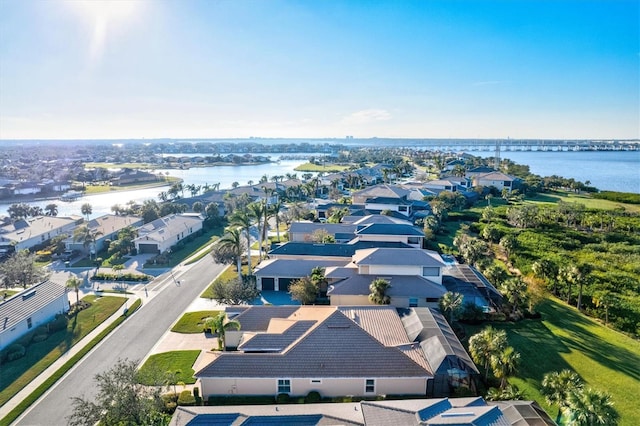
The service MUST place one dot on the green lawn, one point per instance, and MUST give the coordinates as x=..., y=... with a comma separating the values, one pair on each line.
x=178, y=254
x=327, y=168
x=230, y=273
x=564, y=338
x=16, y=374
x=192, y=322
x=179, y=362
x=586, y=199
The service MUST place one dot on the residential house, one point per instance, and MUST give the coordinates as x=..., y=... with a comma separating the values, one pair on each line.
x=391, y=232
x=471, y=411
x=335, y=351
x=129, y=176
x=383, y=190
x=308, y=231
x=497, y=180
x=106, y=228
x=31, y=232
x=29, y=309
x=474, y=287
x=415, y=277
x=163, y=233
x=388, y=204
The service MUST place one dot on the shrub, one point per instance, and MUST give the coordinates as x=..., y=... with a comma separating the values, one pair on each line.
x=196, y=395
x=186, y=398
x=59, y=323
x=312, y=397
x=15, y=351
x=283, y=398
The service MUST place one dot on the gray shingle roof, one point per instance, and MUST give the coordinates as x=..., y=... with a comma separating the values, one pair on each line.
x=394, y=256
x=390, y=229
x=337, y=347
x=22, y=305
x=331, y=228
x=293, y=268
x=401, y=285
x=295, y=248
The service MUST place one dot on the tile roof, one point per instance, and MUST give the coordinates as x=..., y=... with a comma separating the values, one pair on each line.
x=34, y=226
x=331, y=228
x=442, y=348
x=257, y=318
x=168, y=226
x=336, y=347
x=276, y=342
x=379, y=218
x=111, y=223
x=381, y=322
x=22, y=305
x=394, y=256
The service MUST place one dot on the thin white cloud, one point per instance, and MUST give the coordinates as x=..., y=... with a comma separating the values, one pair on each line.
x=367, y=116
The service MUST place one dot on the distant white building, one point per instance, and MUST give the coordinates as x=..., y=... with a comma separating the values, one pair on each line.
x=29, y=309
x=162, y=234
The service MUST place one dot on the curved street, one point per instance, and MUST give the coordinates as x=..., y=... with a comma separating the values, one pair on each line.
x=132, y=340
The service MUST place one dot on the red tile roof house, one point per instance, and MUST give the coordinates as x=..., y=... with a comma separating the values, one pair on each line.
x=337, y=351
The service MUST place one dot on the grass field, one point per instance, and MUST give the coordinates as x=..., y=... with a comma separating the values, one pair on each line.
x=179, y=362
x=564, y=338
x=327, y=168
x=192, y=322
x=586, y=199
x=16, y=374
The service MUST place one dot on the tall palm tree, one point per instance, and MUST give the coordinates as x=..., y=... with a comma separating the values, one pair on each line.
x=485, y=344
x=219, y=326
x=450, y=304
x=242, y=219
x=275, y=211
x=378, y=289
x=515, y=290
x=74, y=283
x=505, y=364
x=256, y=211
x=557, y=386
x=86, y=210
x=232, y=241
x=591, y=407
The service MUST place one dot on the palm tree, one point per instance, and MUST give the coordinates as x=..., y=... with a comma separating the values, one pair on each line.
x=557, y=386
x=378, y=289
x=232, y=241
x=485, y=344
x=86, y=210
x=450, y=304
x=547, y=270
x=505, y=364
x=242, y=219
x=591, y=407
x=515, y=290
x=604, y=299
x=51, y=209
x=87, y=236
x=218, y=325
x=256, y=211
x=74, y=283
x=275, y=211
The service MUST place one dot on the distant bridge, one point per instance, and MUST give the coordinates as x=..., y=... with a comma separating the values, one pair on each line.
x=453, y=145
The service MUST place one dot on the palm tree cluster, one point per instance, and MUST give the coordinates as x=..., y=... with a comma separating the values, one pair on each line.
x=378, y=291
x=490, y=349
x=577, y=405
x=219, y=325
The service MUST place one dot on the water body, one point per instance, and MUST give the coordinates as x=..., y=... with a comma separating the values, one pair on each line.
x=606, y=170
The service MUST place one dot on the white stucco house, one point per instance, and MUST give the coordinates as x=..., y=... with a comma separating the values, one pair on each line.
x=29, y=309
x=27, y=233
x=163, y=233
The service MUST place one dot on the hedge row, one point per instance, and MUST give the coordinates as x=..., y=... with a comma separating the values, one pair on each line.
x=129, y=276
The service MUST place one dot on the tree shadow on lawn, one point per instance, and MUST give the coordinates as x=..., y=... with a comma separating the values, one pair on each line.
x=579, y=338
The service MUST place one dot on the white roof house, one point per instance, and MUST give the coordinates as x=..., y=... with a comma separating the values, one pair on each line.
x=30, y=308
x=162, y=234
x=27, y=233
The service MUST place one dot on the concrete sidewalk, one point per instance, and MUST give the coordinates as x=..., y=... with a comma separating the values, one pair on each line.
x=31, y=386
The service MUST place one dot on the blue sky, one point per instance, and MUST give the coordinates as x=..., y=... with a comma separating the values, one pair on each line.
x=234, y=68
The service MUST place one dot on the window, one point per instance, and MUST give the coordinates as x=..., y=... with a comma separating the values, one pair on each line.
x=29, y=323
x=413, y=240
x=432, y=300
x=430, y=271
x=316, y=381
x=284, y=386
x=370, y=386
x=402, y=208
x=413, y=302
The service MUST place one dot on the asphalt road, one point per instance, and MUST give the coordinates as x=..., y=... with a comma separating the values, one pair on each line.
x=132, y=340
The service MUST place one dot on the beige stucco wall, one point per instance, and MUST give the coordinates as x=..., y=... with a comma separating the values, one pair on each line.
x=349, y=300
x=391, y=238
x=302, y=386
x=395, y=269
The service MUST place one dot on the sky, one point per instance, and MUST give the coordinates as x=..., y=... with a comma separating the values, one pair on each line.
x=118, y=69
